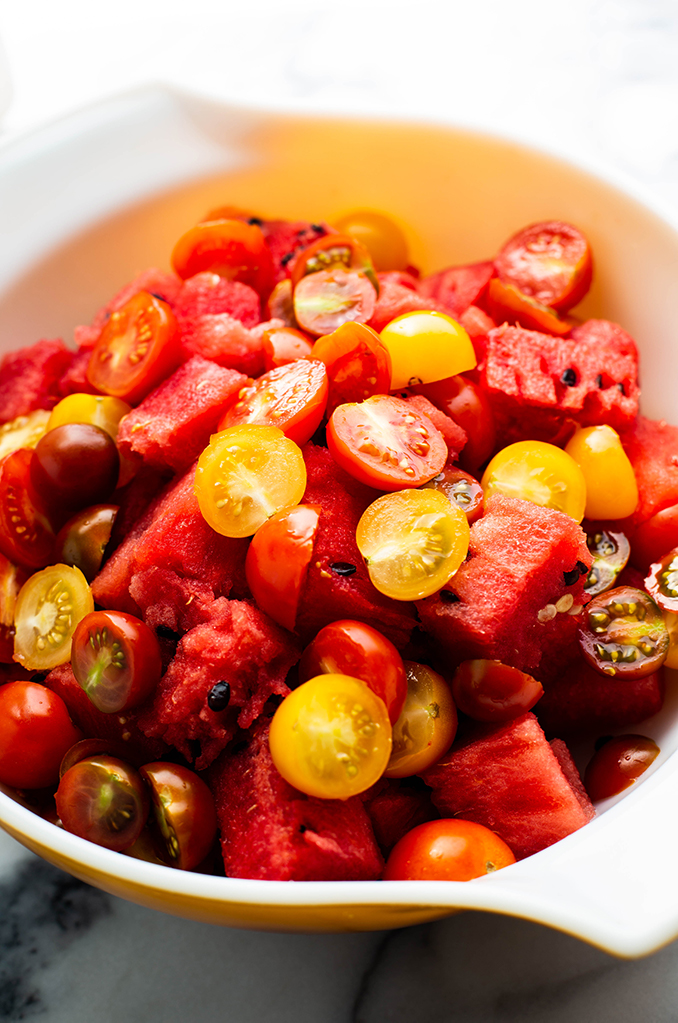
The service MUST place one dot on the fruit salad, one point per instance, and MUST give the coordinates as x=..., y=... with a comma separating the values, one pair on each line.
x=315, y=567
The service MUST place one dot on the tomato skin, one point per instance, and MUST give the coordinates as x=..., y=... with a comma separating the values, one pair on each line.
x=48, y=608
x=277, y=560
x=661, y=582
x=427, y=724
x=358, y=363
x=138, y=347
x=382, y=238
x=447, y=850
x=74, y=466
x=372, y=439
x=325, y=300
x=550, y=262
x=291, y=397
x=352, y=648
x=228, y=247
x=655, y=537
x=35, y=733
x=12, y=579
x=536, y=471
x=103, y=800
x=492, y=691
x=617, y=764
x=461, y=489
x=623, y=634
x=610, y=550
x=116, y=660
x=333, y=250
x=82, y=540
x=283, y=345
x=611, y=488
x=462, y=400
x=507, y=304
x=29, y=541
x=185, y=816
x=426, y=346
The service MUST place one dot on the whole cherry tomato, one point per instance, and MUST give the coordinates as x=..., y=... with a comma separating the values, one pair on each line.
x=358, y=363
x=231, y=248
x=616, y=765
x=462, y=400
x=292, y=398
x=353, y=648
x=26, y=535
x=492, y=691
x=184, y=812
x=277, y=560
x=103, y=800
x=382, y=238
x=549, y=262
x=655, y=537
x=116, y=660
x=74, y=466
x=447, y=850
x=35, y=733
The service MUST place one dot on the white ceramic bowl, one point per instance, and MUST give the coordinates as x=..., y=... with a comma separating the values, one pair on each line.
x=88, y=201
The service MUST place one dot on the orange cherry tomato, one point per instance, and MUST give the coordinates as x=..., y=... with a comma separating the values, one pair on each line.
x=291, y=398
x=382, y=238
x=549, y=262
x=447, y=850
x=277, y=560
x=333, y=250
x=358, y=363
x=138, y=347
x=26, y=534
x=462, y=400
x=353, y=648
x=385, y=443
x=507, y=304
x=231, y=248
x=492, y=691
x=616, y=765
x=184, y=813
x=283, y=345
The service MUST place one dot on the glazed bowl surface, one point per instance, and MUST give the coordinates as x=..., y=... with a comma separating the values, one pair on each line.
x=87, y=202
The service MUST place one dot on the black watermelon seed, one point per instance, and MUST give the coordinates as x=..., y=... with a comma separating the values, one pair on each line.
x=599, y=381
x=160, y=298
x=343, y=568
x=286, y=258
x=571, y=577
x=219, y=696
x=318, y=228
x=569, y=378
x=448, y=597
x=256, y=221
x=583, y=570
x=302, y=829
x=620, y=387
x=165, y=632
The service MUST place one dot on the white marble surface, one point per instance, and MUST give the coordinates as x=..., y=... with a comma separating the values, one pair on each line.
x=593, y=77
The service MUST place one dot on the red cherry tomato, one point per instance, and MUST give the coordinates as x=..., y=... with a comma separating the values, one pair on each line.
x=138, y=347
x=26, y=535
x=461, y=489
x=507, y=304
x=334, y=250
x=610, y=550
x=549, y=262
x=462, y=400
x=623, y=633
x=184, y=813
x=447, y=850
x=116, y=660
x=231, y=248
x=358, y=363
x=655, y=538
x=103, y=799
x=662, y=581
x=277, y=560
x=385, y=443
x=12, y=579
x=35, y=733
x=324, y=300
x=91, y=748
x=492, y=691
x=353, y=648
x=291, y=398
x=616, y=765
x=283, y=345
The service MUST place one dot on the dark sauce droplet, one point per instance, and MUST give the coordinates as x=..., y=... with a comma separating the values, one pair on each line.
x=343, y=568
x=219, y=696
x=569, y=378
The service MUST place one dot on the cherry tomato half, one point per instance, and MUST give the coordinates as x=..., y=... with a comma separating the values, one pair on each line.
x=330, y=252
x=549, y=261
x=427, y=724
x=447, y=850
x=23, y=432
x=12, y=579
x=138, y=347
x=507, y=304
x=385, y=443
x=277, y=560
x=184, y=812
x=353, y=648
x=610, y=550
x=103, y=800
x=461, y=489
x=492, y=691
x=617, y=764
x=382, y=238
x=331, y=737
x=283, y=345
x=292, y=398
x=662, y=581
x=426, y=346
x=611, y=488
x=623, y=633
x=231, y=248
x=358, y=364
x=326, y=299
x=74, y=466
x=115, y=660
x=35, y=733
x=462, y=400
x=49, y=606
x=26, y=535
x=539, y=472
x=83, y=539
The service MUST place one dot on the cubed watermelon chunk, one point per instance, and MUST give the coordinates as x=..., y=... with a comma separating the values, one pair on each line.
x=165, y=286
x=501, y=604
x=29, y=378
x=224, y=340
x=509, y=779
x=170, y=601
x=285, y=239
x=174, y=423
x=74, y=380
x=208, y=294
x=395, y=806
x=273, y=832
x=458, y=287
x=396, y=300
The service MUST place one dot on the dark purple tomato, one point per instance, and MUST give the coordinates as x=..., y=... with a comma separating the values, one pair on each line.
x=74, y=466
x=82, y=540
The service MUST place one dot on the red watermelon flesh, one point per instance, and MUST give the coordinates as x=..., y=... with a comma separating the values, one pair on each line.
x=509, y=779
x=396, y=300
x=170, y=601
x=74, y=380
x=582, y=701
x=165, y=286
x=173, y=533
x=29, y=378
x=519, y=554
x=569, y=769
x=525, y=372
x=328, y=596
x=174, y=423
x=652, y=447
x=273, y=832
x=395, y=807
x=122, y=728
x=455, y=435
x=208, y=294
x=237, y=644
x=458, y=287
x=224, y=340
x=285, y=239
x=402, y=277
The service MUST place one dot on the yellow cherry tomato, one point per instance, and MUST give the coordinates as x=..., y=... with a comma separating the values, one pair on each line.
x=427, y=724
x=382, y=238
x=426, y=346
x=23, y=432
x=413, y=541
x=539, y=472
x=331, y=737
x=49, y=607
x=611, y=488
x=246, y=474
